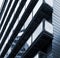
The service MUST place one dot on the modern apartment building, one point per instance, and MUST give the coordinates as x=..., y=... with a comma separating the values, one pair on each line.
x=26, y=29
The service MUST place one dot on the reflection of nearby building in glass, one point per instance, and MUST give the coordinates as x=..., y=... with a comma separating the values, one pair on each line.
x=23, y=49
x=20, y=53
x=28, y=24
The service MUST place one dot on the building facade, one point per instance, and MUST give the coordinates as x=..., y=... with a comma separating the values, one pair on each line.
x=26, y=24
x=56, y=25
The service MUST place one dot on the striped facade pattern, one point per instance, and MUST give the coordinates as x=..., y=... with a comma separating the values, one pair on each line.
x=21, y=18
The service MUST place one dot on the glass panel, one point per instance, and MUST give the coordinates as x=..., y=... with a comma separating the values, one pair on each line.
x=20, y=33
x=14, y=43
x=36, y=56
x=37, y=7
x=28, y=20
x=0, y=23
x=50, y=2
x=21, y=14
x=27, y=3
x=29, y=41
x=38, y=31
x=32, y=13
x=1, y=4
x=35, y=34
x=50, y=55
x=22, y=51
x=6, y=55
x=48, y=27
